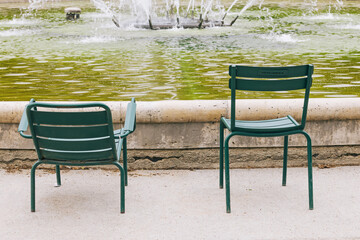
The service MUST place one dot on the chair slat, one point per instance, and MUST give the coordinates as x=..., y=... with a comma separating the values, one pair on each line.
x=72, y=132
x=78, y=156
x=268, y=120
x=77, y=145
x=250, y=124
x=262, y=127
x=271, y=72
x=270, y=85
x=69, y=118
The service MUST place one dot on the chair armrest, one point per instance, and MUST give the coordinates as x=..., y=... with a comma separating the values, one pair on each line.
x=117, y=133
x=121, y=133
x=24, y=123
x=130, y=119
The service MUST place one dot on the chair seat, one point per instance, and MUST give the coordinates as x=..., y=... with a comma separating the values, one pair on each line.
x=264, y=126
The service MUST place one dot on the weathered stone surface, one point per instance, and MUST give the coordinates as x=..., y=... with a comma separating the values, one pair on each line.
x=206, y=135
x=209, y=158
x=177, y=111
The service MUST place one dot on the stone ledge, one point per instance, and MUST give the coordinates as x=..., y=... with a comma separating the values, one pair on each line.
x=180, y=111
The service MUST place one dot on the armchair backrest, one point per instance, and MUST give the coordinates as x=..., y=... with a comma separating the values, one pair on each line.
x=72, y=132
x=249, y=78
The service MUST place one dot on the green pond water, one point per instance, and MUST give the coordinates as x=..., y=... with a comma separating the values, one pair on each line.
x=45, y=57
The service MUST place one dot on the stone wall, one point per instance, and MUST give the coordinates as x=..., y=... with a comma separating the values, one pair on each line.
x=185, y=134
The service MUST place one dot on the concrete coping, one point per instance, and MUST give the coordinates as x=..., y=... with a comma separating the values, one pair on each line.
x=178, y=111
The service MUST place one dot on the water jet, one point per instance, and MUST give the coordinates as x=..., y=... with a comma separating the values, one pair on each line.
x=149, y=17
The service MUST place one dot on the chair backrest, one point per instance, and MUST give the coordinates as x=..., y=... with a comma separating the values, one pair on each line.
x=249, y=78
x=72, y=132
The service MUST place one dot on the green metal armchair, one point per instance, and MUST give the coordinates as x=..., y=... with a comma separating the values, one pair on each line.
x=266, y=79
x=75, y=135
x=121, y=134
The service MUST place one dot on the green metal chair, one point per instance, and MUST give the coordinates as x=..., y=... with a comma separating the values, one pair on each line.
x=74, y=135
x=248, y=78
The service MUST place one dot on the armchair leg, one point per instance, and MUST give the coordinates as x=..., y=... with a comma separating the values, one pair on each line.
x=221, y=159
x=310, y=178
x=286, y=140
x=122, y=188
x=32, y=186
x=58, y=177
x=125, y=160
x=227, y=174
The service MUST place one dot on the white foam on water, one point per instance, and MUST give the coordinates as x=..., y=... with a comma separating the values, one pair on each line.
x=19, y=21
x=63, y=68
x=341, y=96
x=22, y=83
x=343, y=77
x=285, y=38
x=80, y=92
x=15, y=74
x=16, y=32
x=98, y=39
x=348, y=26
x=72, y=81
x=328, y=16
x=339, y=85
x=96, y=15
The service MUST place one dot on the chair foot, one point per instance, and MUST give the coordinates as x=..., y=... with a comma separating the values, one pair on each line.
x=57, y=185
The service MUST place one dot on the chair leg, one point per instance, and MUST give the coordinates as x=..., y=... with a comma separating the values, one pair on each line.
x=310, y=178
x=32, y=186
x=58, y=176
x=286, y=140
x=227, y=174
x=125, y=160
x=122, y=188
x=221, y=159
